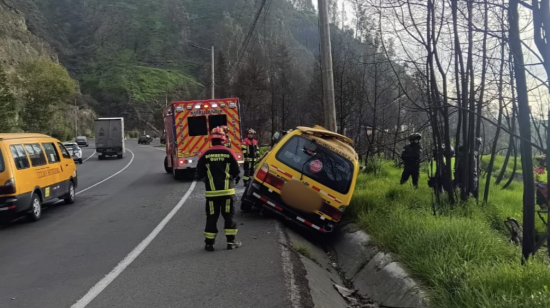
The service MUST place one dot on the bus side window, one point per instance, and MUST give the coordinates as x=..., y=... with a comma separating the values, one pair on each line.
x=20, y=157
x=36, y=154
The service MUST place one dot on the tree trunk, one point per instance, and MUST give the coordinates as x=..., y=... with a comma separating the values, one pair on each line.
x=499, y=122
x=528, y=247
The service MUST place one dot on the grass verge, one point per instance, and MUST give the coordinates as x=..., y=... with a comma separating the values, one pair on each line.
x=462, y=254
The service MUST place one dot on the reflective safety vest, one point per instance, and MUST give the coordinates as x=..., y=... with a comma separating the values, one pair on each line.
x=250, y=148
x=434, y=166
x=540, y=174
x=218, y=166
x=228, y=143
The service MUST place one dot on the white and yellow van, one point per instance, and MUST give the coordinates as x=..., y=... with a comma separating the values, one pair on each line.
x=34, y=169
x=308, y=177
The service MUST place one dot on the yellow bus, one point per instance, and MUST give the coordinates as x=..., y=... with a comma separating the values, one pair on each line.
x=34, y=169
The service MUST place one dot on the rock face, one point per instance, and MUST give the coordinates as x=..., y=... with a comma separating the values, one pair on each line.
x=17, y=43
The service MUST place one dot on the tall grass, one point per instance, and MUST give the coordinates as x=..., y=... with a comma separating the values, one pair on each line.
x=462, y=254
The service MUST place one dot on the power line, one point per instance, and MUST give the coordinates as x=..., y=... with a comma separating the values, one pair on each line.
x=246, y=41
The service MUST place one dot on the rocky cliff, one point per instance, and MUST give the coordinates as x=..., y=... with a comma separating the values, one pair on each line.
x=17, y=43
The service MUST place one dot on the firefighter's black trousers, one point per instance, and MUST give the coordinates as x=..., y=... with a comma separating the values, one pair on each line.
x=215, y=206
x=248, y=170
x=411, y=171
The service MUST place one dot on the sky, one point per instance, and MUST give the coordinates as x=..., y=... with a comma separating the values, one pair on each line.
x=540, y=94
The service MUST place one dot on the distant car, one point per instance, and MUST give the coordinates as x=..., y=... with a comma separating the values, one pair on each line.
x=74, y=150
x=145, y=139
x=82, y=140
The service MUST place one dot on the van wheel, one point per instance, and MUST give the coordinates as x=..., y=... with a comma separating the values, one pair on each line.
x=119, y=156
x=35, y=213
x=166, y=168
x=101, y=157
x=71, y=195
x=80, y=161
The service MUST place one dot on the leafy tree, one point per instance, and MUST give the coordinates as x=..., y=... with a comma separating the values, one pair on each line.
x=46, y=89
x=8, y=105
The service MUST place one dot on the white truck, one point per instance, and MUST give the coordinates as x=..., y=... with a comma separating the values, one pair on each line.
x=109, y=137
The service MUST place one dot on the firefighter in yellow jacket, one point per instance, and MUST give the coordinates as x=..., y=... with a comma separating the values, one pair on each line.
x=219, y=167
x=225, y=130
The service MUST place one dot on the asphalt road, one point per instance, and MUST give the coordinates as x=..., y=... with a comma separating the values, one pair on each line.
x=63, y=260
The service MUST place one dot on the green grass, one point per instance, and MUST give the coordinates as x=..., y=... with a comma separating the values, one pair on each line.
x=302, y=249
x=462, y=255
x=499, y=162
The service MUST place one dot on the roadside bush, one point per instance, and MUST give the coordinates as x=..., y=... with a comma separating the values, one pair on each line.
x=133, y=133
x=462, y=255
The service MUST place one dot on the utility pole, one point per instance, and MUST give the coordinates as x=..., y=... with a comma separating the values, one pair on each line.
x=75, y=119
x=213, y=90
x=329, y=105
x=213, y=76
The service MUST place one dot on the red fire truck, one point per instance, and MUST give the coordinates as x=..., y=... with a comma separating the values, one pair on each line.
x=188, y=125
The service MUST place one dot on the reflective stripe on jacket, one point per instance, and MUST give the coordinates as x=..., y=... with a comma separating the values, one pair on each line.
x=219, y=166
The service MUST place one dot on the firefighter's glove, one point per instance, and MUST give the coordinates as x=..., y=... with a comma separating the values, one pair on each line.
x=237, y=179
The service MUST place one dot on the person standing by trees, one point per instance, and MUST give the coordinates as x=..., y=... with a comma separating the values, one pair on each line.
x=411, y=159
x=540, y=181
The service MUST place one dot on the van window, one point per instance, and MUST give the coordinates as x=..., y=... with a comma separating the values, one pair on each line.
x=36, y=154
x=197, y=126
x=323, y=166
x=51, y=153
x=19, y=157
x=217, y=120
x=2, y=165
x=64, y=151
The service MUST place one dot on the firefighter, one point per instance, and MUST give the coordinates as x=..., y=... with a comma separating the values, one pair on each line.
x=251, y=154
x=225, y=129
x=411, y=156
x=540, y=181
x=219, y=166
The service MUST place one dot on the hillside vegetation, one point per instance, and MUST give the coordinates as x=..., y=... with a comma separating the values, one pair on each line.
x=130, y=56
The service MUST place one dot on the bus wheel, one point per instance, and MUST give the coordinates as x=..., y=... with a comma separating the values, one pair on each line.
x=166, y=168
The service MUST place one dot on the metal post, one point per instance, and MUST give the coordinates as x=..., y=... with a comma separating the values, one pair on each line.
x=213, y=76
x=75, y=119
x=329, y=105
x=548, y=183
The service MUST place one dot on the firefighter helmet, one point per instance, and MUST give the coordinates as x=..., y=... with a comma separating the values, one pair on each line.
x=225, y=128
x=415, y=136
x=541, y=158
x=251, y=131
x=217, y=131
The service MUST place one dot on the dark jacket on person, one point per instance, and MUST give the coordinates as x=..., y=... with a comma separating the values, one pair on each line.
x=411, y=155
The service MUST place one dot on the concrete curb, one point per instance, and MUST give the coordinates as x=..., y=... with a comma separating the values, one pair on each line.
x=376, y=274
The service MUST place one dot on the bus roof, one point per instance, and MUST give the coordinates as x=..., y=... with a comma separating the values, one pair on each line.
x=8, y=136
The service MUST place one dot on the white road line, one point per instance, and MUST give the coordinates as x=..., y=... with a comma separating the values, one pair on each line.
x=103, y=283
x=112, y=176
x=90, y=156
